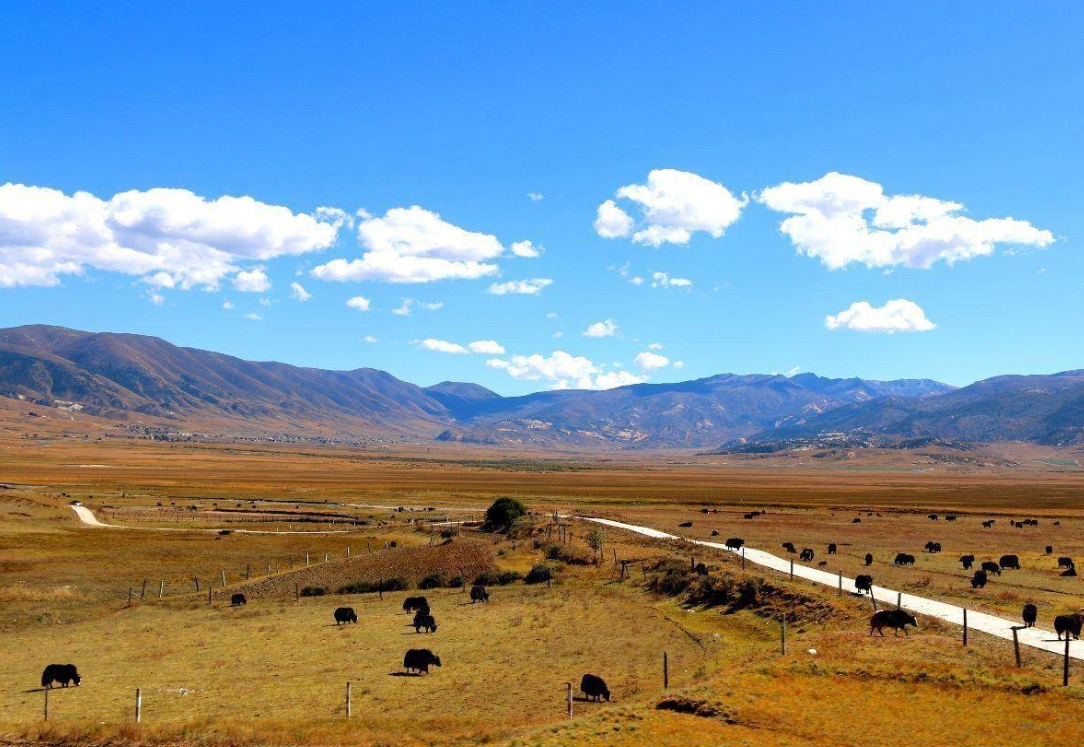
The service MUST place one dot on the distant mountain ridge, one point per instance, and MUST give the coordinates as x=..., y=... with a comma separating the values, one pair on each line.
x=132, y=377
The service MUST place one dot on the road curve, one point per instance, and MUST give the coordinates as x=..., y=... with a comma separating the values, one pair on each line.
x=976, y=621
x=87, y=517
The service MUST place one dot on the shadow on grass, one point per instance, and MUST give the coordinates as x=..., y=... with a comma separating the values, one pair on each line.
x=405, y=674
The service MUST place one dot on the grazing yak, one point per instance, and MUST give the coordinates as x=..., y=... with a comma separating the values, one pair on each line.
x=933, y=547
x=1049, y=549
x=806, y=555
x=988, y=566
x=967, y=561
x=1068, y=624
x=734, y=543
x=789, y=547
x=415, y=604
x=988, y=523
x=714, y=532
x=424, y=622
x=950, y=518
x=932, y=517
x=593, y=686
x=478, y=594
x=1030, y=615
x=1065, y=562
x=66, y=673
x=869, y=558
x=831, y=548
x=978, y=581
x=856, y=520
x=904, y=559
x=238, y=600
x=1010, y=561
x=345, y=615
x=863, y=583
x=897, y=619
x=419, y=660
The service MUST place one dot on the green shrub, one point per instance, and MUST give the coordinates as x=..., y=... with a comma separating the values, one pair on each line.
x=456, y=581
x=371, y=587
x=313, y=591
x=503, y=514
x=539, y=574
x=432, y=581
x=670, y=577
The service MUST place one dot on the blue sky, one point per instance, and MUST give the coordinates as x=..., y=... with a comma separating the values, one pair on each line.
x=465, y=110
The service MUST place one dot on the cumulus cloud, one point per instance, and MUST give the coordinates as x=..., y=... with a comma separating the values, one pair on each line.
x=646, y=361
x=605, y=328
x=228, y=305
x=252, y=281
x=899, y=315
x=842, y=219
x=531, y=287
x=673, y=205
x=298, y=293
x=563, y=371
x=172, y=238
x=406, y=308
x=534, y=196
x=442, y=346
x=254, y=317
x=414, y=245
x=360, y=303
x=487, y=347
x=526, y=249
x=664, y=280
x=368, y=339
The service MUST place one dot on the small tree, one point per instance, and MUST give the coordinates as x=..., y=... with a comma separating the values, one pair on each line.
x=596, y=538
x=503, y=514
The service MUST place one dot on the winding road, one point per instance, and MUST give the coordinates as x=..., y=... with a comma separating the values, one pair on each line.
x=976, y=621
x=87, y=517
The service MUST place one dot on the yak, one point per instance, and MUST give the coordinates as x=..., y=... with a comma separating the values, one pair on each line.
x=1010, y=561
x=345, y=615
x=988, y=566
x=419, y=660
x=1030, y=615
x=593, y=686
x=1049, y=549
x=426, y=622
x=1065, y=562
x=414, y=604
x=238, y=600
x=1068, y=624
x=978, y=581
x=904, y=559
x=478, y=593
x=856, y=520
x=66, y=673
x=897, y=619
x=869, y=558
x=967, y=561
x=988, y=523
x=831, y=548
x=863, y=583
x=806, y=555
x=789, y=547
x=933, y=547
x=734, y=543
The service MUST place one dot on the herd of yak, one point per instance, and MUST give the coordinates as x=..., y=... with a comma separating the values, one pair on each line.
x=415, y=661
x=899, y=620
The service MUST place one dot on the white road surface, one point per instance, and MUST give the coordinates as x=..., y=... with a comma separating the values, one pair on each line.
x=976, y=621
x=87, y=517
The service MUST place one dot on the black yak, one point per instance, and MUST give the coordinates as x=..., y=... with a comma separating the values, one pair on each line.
x=66, y=673
x=478, y=594
x=978, y=581
x=419, y=660
x=593, y=686
x=897, y=619
x=414, y=604
x=345, y=615
x=1010, y=561
x=988, y=523
x=967, y=561
x=1068, y=624
x=1030, y=615
x=864, y=583
x=904, y=559
x=1065, y=562
x=424, y=621
x=869, y=558
x=789, y=547
x=806, y=555
x=831, y=548
x=238, y=600
x=988, y=566
x=933, y=547
x=734, y=543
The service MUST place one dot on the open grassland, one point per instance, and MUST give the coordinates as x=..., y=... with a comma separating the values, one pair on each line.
x=275, y=671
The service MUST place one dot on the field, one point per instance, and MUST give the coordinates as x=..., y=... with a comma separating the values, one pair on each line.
x=275, y=671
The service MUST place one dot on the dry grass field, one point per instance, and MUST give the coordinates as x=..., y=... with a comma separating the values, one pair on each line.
x=275, y=671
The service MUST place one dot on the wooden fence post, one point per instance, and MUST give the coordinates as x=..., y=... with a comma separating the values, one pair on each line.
x=248, y=571
x=348, y=551
x=784, y=627
x=196, y=579
x=792, y=569
x=143, y=592
x=297, y=591
x=139, y=705
x=899, y=600
x=47, y=688
x=161, y=589
x=208, y=593
x=840, y=592
x=223, y=577
x=1016, y=643
x=306, y=558
x=325, y=557
x=348, y=693
x=570, y=700
x=965, y=626
x=743, y=557
x=873, y=598
x=1065, y=665
x=665, y=670
x=129, y=596
x=268, y=569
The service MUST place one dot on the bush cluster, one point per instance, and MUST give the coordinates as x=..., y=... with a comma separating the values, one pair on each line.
x=539, y=574
x=369, y=587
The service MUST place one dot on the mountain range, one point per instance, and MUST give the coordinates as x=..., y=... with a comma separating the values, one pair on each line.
x=137, y=379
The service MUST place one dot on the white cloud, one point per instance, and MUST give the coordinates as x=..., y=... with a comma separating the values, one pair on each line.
x=266, y=302
x=172, y=238
x=663, y=280
x=531, y=287
x=487, y=347
x=534, y=196
x=655, y=346
x=526, y=249
x=252, y=281
x=626, y=274
x=558, y=335
x=674, y=205
x=611, y=222
x=360, y=303
x=563, y=371
x=414, y=245
x=228, y=305
x=254, y=317
x=606, y=328
x=679, y=364
x=298, y=293
x=646, y=361
x=406, y=308
x=899, y=315
x=442, y=346
x=842, y=219
x=156, y=298
x=369, y=339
